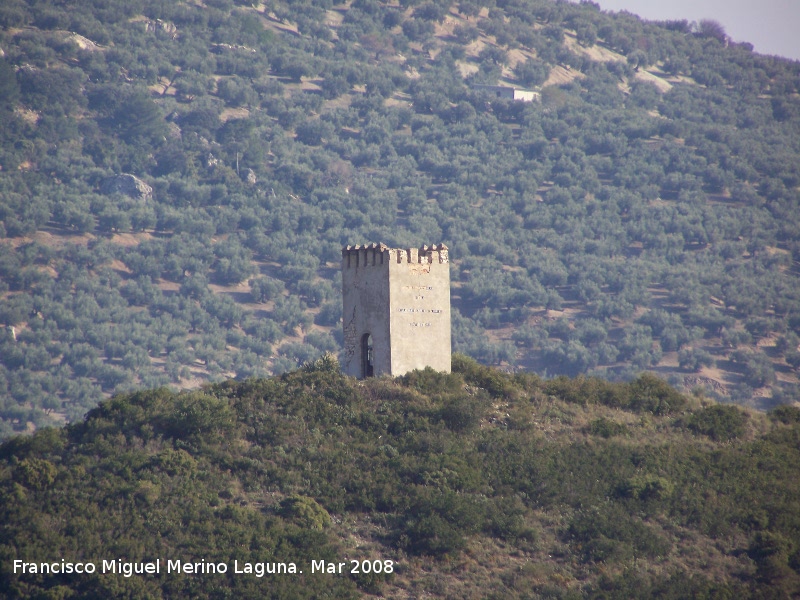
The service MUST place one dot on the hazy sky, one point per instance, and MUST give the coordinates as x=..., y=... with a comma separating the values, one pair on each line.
x=772, y=26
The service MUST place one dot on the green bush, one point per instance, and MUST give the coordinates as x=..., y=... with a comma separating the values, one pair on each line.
x=786, y=414
x=462, y=413
x=647, y=487
x=35, y=473
x=771, y=552
x=652, y=394
x=607, y=428
x=193, y=415
x=304, y=511
x=431, y=382
x=431, y=534
x=498, y=384
x=437, y=522
x=721, y=422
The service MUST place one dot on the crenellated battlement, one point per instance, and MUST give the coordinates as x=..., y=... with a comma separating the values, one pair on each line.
x=369, y=255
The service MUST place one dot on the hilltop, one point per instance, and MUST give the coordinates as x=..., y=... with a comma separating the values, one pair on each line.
x=473, y=484
x=176, y=183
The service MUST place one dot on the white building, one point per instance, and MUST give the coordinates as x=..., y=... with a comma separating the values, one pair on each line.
x=507, y=92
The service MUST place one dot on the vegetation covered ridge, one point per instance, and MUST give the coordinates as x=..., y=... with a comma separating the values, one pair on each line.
x=473, y=484
x=177, y=179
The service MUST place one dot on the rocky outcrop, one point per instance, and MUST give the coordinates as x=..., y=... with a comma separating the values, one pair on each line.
x=156, y=25
x=128, y=185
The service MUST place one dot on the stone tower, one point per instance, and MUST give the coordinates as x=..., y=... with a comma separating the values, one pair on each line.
x=396, y=309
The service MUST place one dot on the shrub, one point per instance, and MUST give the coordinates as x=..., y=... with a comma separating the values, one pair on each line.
x=429, y=381
x=305, y=511
x=607, y=428
x=462, y=413
x=720, y=422
x=35, y=473
x=647, y=487
x=198, y=414
x=433, y=535
x=786, y=414
x=507, y=520
x=437, y=522
x=654, y=395
x=612, y=535
x=327, y=363
x=770, y=551
x=493, y=381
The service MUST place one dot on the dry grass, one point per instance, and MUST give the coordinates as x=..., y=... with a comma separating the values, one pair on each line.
x=560, y=75
x=595, y=53
x=649, y=76
x=233, y=113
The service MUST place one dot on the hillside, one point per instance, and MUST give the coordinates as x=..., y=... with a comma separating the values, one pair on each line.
x=176, y=182
x=471, y=485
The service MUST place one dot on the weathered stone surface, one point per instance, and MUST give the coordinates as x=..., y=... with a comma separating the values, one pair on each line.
x=399, y=300
x=156, y=25
x=128, y=185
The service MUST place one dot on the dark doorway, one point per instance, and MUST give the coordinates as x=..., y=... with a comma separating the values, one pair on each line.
x=367, y=366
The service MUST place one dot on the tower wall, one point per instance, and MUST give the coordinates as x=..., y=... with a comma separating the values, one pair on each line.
x=419, y=292
x=401, y=298
x=365, y=298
